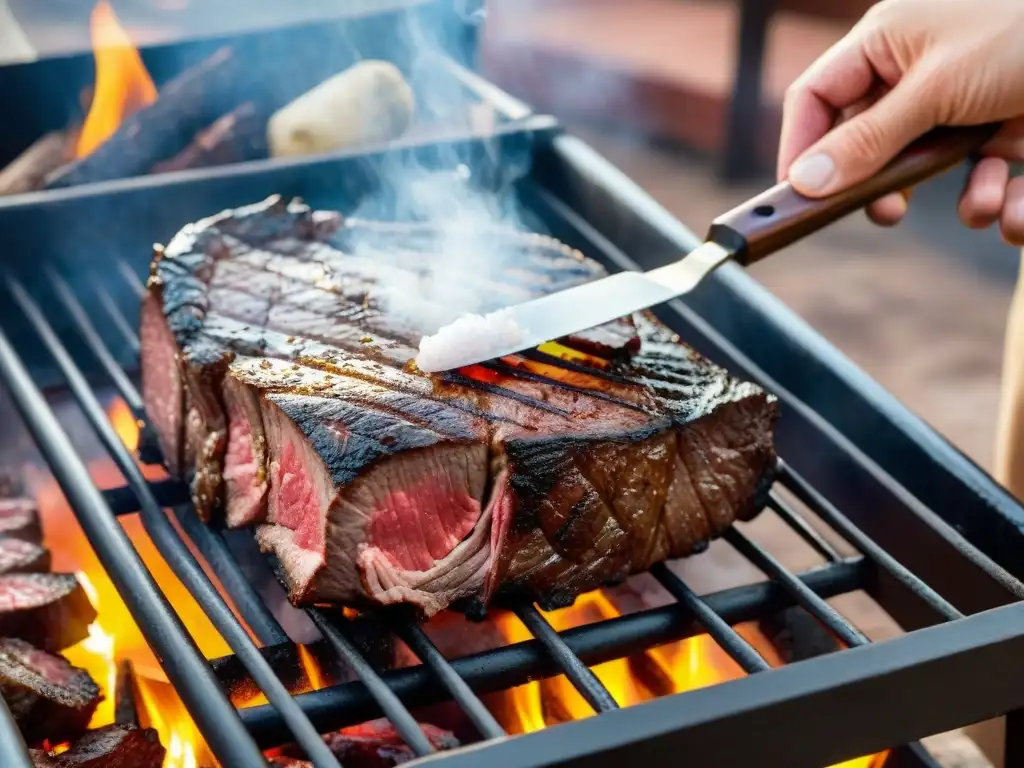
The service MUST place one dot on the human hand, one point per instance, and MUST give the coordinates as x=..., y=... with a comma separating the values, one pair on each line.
x=906, y=67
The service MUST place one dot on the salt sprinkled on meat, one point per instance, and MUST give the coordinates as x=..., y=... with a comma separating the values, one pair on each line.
x=468, y=335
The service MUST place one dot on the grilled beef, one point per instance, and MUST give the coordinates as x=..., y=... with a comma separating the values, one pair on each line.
x=50, y=699
x=49, y=610
x=19, y=519
x=114, y=746
x=17, y=556
x=374, y=744
x=276, y=368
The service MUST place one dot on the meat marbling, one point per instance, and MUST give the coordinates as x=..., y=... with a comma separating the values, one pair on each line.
x=281, y=382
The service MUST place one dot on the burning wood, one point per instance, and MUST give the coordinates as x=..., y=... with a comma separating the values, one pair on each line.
x=126, y=712
x=186, y=105
x=238, y=136
x=27, y=171
x=49, y=610
x=50, y=699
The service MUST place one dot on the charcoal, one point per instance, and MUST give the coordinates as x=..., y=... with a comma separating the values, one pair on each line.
x=126, y=712
x=49, y=610
x=17, y=556
x=115, y=746
x=19, y=519
x=50, y=699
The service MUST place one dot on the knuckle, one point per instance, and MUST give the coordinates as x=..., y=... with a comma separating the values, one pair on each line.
x=865, y=140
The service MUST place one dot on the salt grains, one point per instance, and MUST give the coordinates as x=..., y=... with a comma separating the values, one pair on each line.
x=467, y=338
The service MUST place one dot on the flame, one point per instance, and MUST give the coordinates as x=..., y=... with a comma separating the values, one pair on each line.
x=123, y=86
x=674, y=668
x=114, y=635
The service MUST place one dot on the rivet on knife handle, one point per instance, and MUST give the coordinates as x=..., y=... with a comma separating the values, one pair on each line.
x=781, y=215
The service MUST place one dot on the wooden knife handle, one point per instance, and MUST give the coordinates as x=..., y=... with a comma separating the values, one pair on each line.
x=781, y=215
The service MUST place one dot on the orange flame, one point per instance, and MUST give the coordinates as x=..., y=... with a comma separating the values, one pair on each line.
x=114, y=635
x=123, y=85
x=674, y=668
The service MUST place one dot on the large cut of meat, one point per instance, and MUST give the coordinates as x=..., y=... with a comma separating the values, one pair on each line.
x=277, y=348
x=50, y=699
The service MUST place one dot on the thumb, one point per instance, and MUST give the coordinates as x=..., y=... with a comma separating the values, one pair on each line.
x=861, y=146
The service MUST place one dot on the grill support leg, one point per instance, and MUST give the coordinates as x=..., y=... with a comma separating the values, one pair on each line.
x=740, y=157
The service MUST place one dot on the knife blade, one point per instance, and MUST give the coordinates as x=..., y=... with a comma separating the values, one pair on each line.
x=748, y=233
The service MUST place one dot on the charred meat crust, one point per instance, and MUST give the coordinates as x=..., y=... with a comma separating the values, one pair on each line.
x=291, y=375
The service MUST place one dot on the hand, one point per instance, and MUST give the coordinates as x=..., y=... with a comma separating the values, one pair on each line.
x=906, y=67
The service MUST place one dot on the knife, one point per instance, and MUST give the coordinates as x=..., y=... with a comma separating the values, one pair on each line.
x=746, y=234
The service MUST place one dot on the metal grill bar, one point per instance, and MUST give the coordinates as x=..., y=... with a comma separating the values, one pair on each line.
x=392, y=707
x=160, y=530
x=168, y=493
x=804, y=529
x=253, y=610
x=13, y=751
x=845, y=528
x=742, y=652
x=431, y=657
x=582, y=678
x=88, y=332
x=813, y=604
x=130, y=337
x=512, y=665
x=185, y=667
x=131, y=278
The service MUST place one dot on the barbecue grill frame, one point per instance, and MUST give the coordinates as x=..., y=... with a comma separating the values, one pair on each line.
x=573, y=192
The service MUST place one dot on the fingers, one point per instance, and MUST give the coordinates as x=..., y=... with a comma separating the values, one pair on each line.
x=985, y=193
x=888, y=211
x=1011, y=222
x=841, y=77
x=860, y=146
x=1008, y=143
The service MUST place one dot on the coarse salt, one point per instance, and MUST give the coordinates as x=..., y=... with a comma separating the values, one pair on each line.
x=468, y=336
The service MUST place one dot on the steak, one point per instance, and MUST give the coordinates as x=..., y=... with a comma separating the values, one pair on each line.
x=17, y=556
x=49, y=610
x=114, y=746
x=50, y=699
x=277, y=349
x=19, y=519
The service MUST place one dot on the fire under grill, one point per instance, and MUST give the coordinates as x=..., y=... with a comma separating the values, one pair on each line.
x=74, y=261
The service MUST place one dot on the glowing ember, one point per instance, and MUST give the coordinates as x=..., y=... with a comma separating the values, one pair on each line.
x=674, y=668
x=123, y=85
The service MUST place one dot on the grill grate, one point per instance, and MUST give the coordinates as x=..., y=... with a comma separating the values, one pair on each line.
x=568, y=652
x=236, y=737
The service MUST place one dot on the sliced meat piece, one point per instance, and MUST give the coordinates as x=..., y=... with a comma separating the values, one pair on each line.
x=276, y=365
x=11, y=484
x=50, y=699
x=49, y=610
x=19, y=519
x=376, y=744
x=115, y=746
x=245, y=459
x=18, y=556
x=288, y=762
x=42, y=759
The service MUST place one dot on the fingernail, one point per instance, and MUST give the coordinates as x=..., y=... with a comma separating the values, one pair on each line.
x=812, y=174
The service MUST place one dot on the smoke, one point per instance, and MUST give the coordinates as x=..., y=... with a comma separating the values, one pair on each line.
x=461, y=217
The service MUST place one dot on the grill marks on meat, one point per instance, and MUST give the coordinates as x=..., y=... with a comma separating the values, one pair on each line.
x=276, y=376
x=49, y=698
x=49, y=610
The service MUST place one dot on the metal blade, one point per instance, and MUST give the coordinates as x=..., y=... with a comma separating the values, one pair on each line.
x=592, y=304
